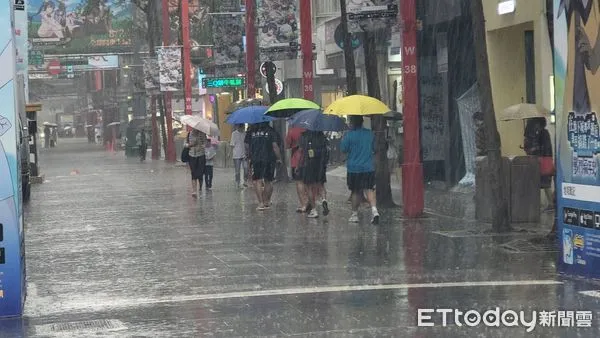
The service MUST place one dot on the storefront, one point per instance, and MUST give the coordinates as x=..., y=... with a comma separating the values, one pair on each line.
x=577, y=100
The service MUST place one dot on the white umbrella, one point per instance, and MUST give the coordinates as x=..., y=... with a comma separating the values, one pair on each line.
x=199, y=123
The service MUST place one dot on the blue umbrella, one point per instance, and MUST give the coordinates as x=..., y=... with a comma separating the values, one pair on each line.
x=315, y=120
x=249, y=115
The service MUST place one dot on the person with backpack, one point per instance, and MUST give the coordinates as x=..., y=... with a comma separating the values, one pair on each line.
x=314, y=164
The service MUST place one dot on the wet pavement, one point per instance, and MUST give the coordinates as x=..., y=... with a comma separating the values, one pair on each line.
x=119, y=248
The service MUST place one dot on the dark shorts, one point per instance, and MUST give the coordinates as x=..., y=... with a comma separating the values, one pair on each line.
x=361, y=181
x=297, y=174
x=314, y=173
x=263, y=171
x=197, y=166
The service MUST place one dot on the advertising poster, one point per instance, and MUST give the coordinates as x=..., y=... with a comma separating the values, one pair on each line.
x=577, y=102
x=80, y=26
x=170, y=69
x=277, y=29
x=21, y=44
x=151, y=75
x=11, y=275
x=370, y=15
x=228, y=34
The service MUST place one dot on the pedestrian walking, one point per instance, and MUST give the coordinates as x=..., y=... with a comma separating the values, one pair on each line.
x=211, y=153
x=292, y=142
x=359, y=144
x=264, y=156
x=142, y=145
x=239, y=155
x=197, y=158
x=538, y=143
x=314, y=163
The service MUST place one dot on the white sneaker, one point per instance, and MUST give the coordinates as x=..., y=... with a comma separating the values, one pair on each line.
x=353, y=218
x=313, y=214
x=375, y=219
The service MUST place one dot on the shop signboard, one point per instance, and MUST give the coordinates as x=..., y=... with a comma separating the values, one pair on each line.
x=371, y=15
x=12, y=276
x=577, y=106
x=80, y=26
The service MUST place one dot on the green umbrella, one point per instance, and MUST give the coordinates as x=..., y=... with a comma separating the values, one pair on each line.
x=288, y=107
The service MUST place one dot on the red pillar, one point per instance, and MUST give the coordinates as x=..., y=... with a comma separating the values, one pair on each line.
x=166, y=31
x=155, y=137
x=412, y=168
x=306, y=47
x=187, y=64
x=250, y=50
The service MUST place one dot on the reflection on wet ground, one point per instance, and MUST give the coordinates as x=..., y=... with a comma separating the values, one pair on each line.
x=122, y=250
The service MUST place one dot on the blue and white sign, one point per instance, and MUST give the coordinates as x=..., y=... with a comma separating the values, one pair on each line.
x=12, y=275
x=577, y=102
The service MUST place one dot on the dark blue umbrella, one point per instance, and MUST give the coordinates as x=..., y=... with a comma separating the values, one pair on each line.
x=249, y=115
x=315, y=120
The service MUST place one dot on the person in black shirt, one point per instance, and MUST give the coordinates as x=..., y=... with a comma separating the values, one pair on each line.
x=264, y=155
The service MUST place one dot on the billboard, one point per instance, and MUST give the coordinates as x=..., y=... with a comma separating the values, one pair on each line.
x=228, y=32
x=80, y=26
x=371, y=15
x=277, y=29
x=170, y=68
x=151, y=75
x=11, y=221
x=577, y=105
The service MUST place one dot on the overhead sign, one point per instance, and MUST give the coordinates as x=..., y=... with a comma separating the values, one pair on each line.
x=278, y=86
x=223, y=82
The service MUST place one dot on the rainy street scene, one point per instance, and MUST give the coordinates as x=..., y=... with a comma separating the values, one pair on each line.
x=299, y=168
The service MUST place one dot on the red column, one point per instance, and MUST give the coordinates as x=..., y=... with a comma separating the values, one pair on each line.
x=155, y=137
x=250, y=50
x=306, y=47
x=187, y=80
x=166, y=30
x=412, y=168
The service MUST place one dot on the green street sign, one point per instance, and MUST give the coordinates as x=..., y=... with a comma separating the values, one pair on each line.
x=223, y=82
x=36, y=58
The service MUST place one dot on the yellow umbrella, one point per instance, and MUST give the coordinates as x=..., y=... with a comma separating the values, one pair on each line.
x=523, y=111
x=357, y=105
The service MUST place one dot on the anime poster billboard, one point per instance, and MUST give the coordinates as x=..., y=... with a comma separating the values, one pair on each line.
x=80, y=26
x=11, y=259
x=170, y=69
x=21, y=44
x=151, y=75
x=277, y=29
x=371, y=15
x=577, y=103
x=228, y=35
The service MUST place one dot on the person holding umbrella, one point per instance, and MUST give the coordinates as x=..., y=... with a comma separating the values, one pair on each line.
x=196, y=143
x=292, y=142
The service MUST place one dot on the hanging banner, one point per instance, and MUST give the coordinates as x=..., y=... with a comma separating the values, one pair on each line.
x=577, y=107
x=80, y=26
x=277, y=29
x=371, y=15
x=228, y=32
x=151, y=75
x=12, y=275
x=171, y=71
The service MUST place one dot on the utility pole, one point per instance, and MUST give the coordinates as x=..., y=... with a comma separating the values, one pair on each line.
x=413, y=190
x=495, y=174
x=185, y=34
x=166, y=32
x=307, y=51
x=348, y=52
x=250, y=49
x=279, y=124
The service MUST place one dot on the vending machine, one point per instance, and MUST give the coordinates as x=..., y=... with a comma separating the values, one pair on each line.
x=577, y=107
x=12, y=263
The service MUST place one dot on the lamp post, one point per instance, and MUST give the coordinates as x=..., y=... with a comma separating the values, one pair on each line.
x=166, y=31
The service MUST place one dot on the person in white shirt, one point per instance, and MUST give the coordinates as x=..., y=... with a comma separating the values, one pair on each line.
x=239, y=154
